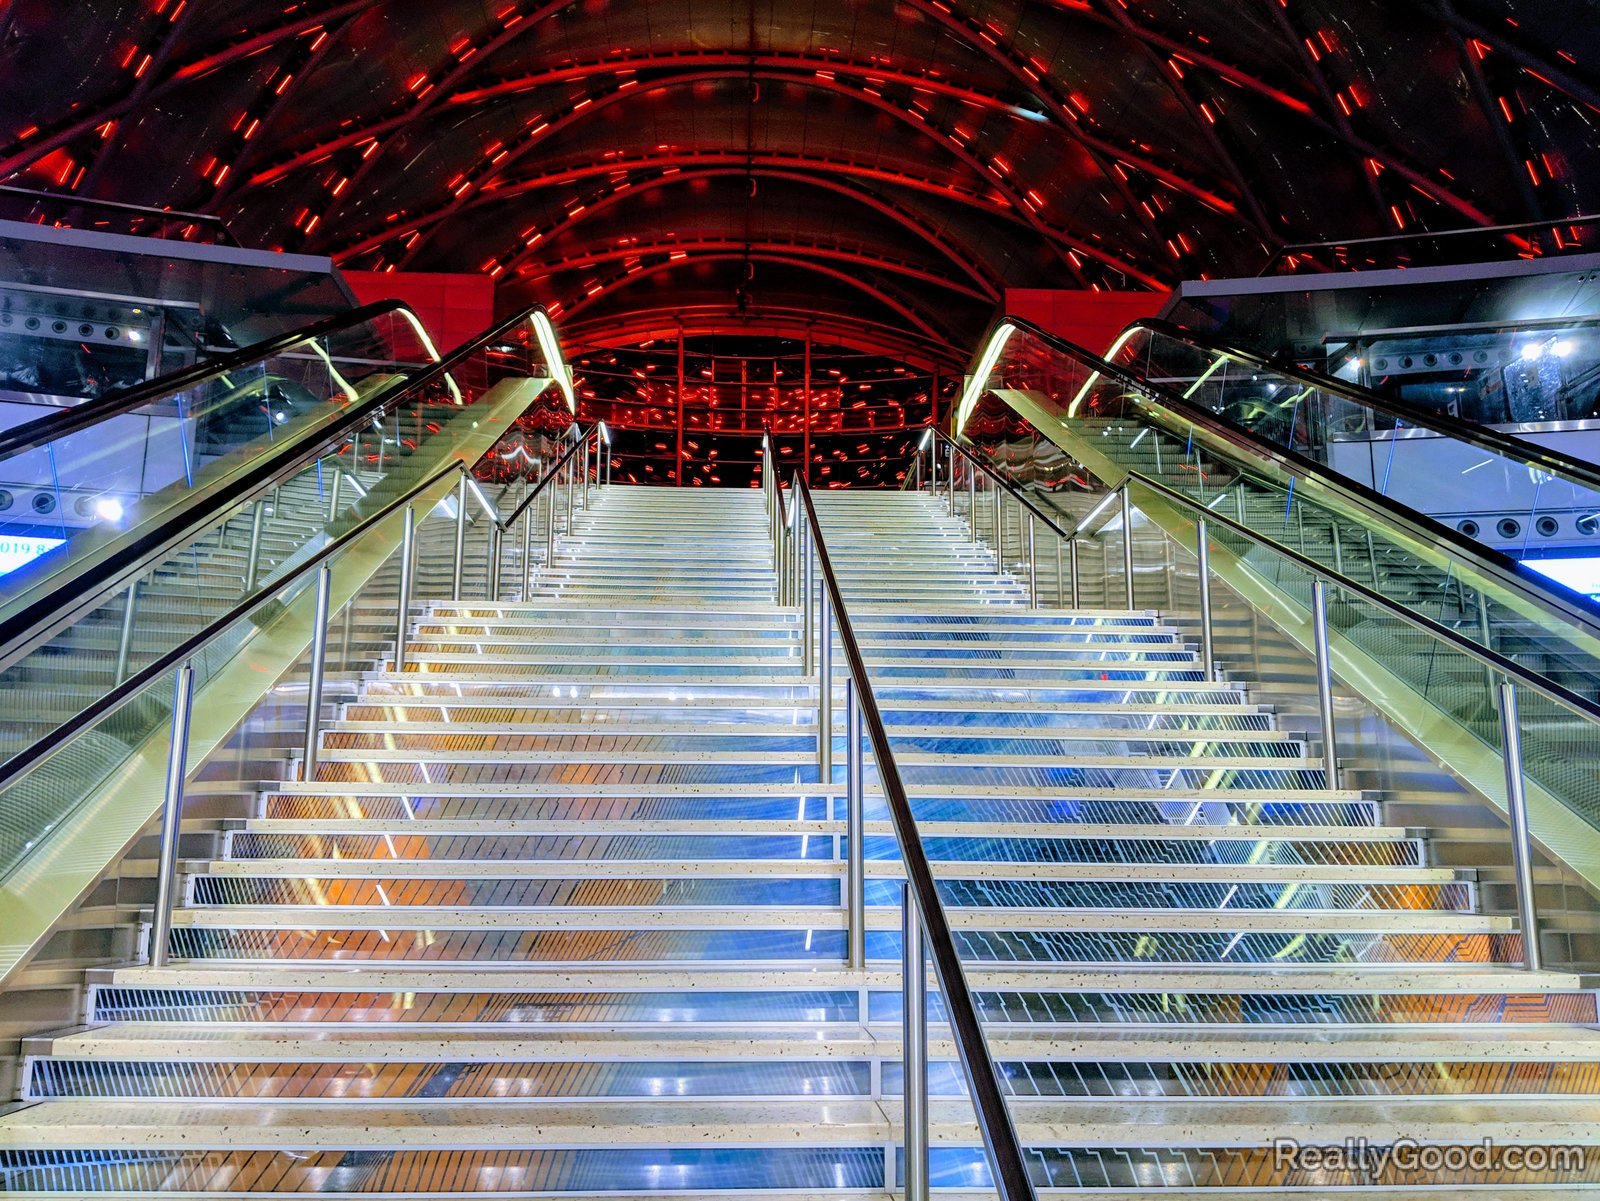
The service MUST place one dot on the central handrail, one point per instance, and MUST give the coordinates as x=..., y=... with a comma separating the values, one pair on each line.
x=922, y=898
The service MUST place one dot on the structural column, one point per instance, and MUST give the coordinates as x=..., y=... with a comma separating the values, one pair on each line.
x=677, y=467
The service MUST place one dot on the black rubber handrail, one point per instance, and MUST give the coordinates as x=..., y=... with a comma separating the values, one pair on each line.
x=1553, y=462
x=44, y=430
x=1503, y=570
x=994, y=1118
x=20, y=630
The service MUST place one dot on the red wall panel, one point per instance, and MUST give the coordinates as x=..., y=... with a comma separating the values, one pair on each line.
x=1090, y=319
x=453, y=307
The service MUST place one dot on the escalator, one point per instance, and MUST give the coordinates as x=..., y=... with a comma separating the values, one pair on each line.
x=1530, y=495
x=176, y=521
x=1069, y=427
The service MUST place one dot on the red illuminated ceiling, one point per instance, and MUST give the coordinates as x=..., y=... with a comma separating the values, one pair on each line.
x=890, y=166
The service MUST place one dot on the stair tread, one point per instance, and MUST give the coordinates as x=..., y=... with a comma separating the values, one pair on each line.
x=757, y=1123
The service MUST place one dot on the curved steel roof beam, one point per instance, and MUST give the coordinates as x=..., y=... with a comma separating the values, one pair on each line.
x=1179, y=91
x=1103, y=151
x=505, y=158
x=437, y=92
x=594, y=292
x=991, y=286
x=821, y=248
x=313, y=155
x=666, y=161
x=16, y=157
x=1391, y=159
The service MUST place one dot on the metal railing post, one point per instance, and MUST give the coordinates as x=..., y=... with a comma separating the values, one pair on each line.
x=914, y=1046
x=972, y=502
x=172, y=816
x=1061, y=579
x=1202, y=550
x=824, y=689
x=334, y=489
x=319, y=667
x=1319, y=635
x=1025, y=514
x=408, y=539
x=999, y=530
x=572, y=479
x=950, y=481
x=461, y=537
x=855, y=839
x=1127, y=544
x=550, y=524
x=252, y=568
x=125, y=639
x=527, y=554
x=496, y=550
x=1521, y=839
x=807, y=612
x=1072, y=554
x=584, y=495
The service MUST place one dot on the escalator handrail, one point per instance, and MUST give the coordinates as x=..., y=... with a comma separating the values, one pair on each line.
x=1494, y=441
x=38, y=619
x=1505, y=571
x=1487, y=656
x=994, y=1119
x=43, y=430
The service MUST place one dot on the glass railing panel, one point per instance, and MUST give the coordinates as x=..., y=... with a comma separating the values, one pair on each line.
x=1121, y=425
x=1418, y=459
x=205, y=581
x=62, y=486
x=249, y=544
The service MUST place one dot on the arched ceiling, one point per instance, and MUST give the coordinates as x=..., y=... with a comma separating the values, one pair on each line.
x=885, y=164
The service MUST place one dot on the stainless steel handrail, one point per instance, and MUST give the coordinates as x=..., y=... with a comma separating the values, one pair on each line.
x=178, y=657
x=1546, y=459
x=1416, y=237
x=798, y=537
x=1486, y=656
x=167, y=216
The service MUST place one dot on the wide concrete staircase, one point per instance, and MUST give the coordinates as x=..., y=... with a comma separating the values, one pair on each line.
x=560, y=913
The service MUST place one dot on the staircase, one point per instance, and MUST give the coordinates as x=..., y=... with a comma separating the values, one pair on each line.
x=560, y=913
